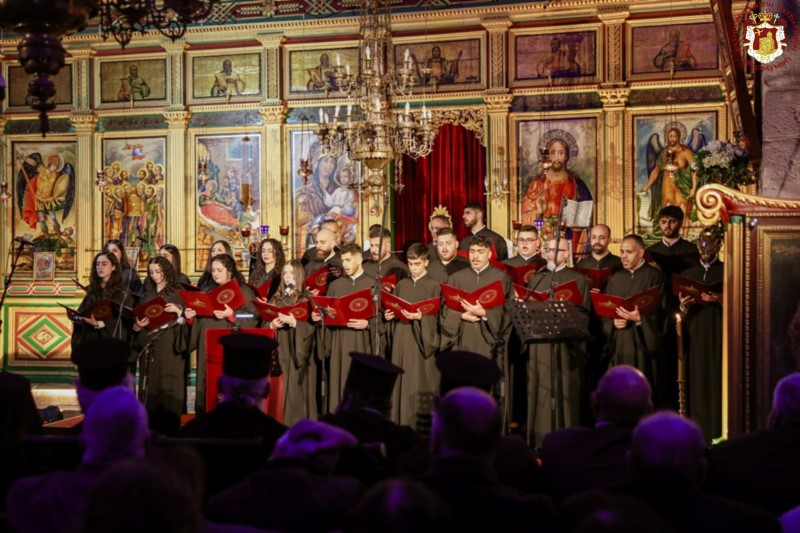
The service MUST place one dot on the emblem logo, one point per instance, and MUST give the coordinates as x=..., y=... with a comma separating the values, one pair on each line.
x=359, y=304
x=765, y=39
x=225, y=296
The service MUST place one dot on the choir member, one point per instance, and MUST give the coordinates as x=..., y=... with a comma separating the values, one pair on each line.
x=436, y=223
x=704, y=335
x=325, y=254
x=446, y=261
x=130, y=276
x=382, y=261
x=105, y=283
x=173, y=255
x=601, y=257
x=474, y=219
x=223, y=269
x=219, y=247
x=311, y=253
x=415, y=342
x=268, y=265
x=527, y=245
x=569, y=357
x=295, y=347
x=161, y=362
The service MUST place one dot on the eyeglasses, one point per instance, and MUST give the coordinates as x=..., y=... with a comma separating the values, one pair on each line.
x=527, y=241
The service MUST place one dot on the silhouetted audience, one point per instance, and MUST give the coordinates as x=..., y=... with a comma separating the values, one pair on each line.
x=398, y=506
x=577, y=459
x=667, y=464
x=18, y=417
x=296, y=491
x=467, y=427
x=115, y=429
x=102, y=363
x=763, y=468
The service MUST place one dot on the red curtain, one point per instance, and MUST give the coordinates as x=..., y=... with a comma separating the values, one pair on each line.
x=452, y=175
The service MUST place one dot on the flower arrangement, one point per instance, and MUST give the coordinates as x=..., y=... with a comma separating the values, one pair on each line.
x=724, y=163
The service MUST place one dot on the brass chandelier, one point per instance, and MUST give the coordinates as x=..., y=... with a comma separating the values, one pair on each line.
x=372, y=130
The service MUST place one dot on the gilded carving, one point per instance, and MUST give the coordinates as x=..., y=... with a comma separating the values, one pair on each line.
x=614, y=97
x=83, y=122
x=470, y=118
x=711, y=202
x=178, y=119
x=272, y=114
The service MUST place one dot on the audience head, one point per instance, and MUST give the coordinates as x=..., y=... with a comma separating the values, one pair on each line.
x=316, y=442
x=114, y=428
x=352, y=256
x=173, y=255
x=527, y=240
x=466, y=369
x=599, y=237
x=466, y=423
x=399, y=505
x=631, y=251
x=446, y=244
x=246, y=360
x=786, y=402
x=474, y=215
x=667, y=442
x=622, y=396
x=370, y=383
x=102, y=363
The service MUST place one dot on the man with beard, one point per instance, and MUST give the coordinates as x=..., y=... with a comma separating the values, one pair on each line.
x=569, y=357
x=311, y=254
x=635, y=338
x=673, y=255
x=355, y=337
x=542, y=198
x=474, y=220
x=479, y=330
x=704, y=332
x=325, y=254
x=382, y=261
x=446, y=261
x=436, y=223
x=600, y=257
x=676, y=188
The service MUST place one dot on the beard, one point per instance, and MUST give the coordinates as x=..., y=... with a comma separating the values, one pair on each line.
x=321, y=254
x=598, y=249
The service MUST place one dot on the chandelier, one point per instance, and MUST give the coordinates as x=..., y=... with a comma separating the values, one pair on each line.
x=121, y=18
x=372, y=131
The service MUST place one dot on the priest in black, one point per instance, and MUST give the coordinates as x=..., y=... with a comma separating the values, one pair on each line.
x=483, y=331
x=325, y=253
x=569, y=357
x=634, y=338
x=704, y=338
x=475, y=221
x=446, y=261
x=311, y=253
x=382, y=261
x=600, y=257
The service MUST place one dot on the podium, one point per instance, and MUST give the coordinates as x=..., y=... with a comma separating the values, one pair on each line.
x=214, y=363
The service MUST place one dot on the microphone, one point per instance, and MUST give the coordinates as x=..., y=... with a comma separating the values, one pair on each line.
x=551, y=266
x=289, y=288
x=24, y=242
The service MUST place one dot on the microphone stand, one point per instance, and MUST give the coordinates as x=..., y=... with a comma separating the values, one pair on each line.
x=144, y=359
x=118, y=326
x=324, y=357
x=555, y=349
x=376, y=288
x=7, y=283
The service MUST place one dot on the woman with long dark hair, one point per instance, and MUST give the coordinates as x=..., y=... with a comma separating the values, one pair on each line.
x=269, y=265
x=219, y=247
x=173, y=255
x=295, y=342
x=162, y=386
x=105, y=283
x=130, y=277
x=223, y=269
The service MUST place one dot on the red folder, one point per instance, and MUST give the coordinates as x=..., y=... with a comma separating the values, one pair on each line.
x=262, y=291
x=214, y=358
x=102, y=310
x=690, y=287
x=523, y=274
x=270, y=312
x=565, y=292
x=356, y=306
x=397, y=305
x=319, y=280
x=80, y=285
x=154, y=310
x=205, y=303
x=597, y=277
x=389, y=282
x=606, y=305
x=489, y=296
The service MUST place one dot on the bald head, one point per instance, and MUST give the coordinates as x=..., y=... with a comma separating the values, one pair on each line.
x=786, y=402
x=667, y=442
x=467, y=422
x=622, y=396
x=326, y=239
x=115, y=427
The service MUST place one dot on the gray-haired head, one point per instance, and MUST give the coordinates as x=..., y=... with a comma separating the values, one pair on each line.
x=667, y=442
x=786, y=402
x=467, y=422
x=115, y=427
x=622, y=396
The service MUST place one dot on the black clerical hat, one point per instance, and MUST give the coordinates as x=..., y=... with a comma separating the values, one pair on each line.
x=466, y=369
x=372, y=376
x=246, y=355
x=102, y=362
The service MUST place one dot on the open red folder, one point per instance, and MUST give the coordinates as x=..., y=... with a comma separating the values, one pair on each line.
x=690, y=287
x=397, y=305
x=597, y=277
x=154, y=310
x=214, y=358
x=389, y=282
x=319, y=280
x=339, y=311
x=489, y=296
x=270, y=312
x=102, y=310
x=606, y=305
x=565, y=292
x=262, y=291
x=205, y=303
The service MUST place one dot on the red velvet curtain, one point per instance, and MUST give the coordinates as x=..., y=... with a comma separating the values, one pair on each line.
x=452, y=175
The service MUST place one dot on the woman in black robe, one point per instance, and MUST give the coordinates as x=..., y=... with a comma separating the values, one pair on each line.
x=223, y=269
x=295, y=347
x=173, y=255
x=205, y=282
x=268, y=265
x=130, y=276
x=161, y=362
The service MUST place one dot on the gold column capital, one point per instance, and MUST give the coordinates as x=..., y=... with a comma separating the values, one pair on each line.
x=173, y=48
x=613, y=15
x=273, y=114
x=83, y=122
x=496, y=23
x=614, y=96
x=82, y=52
x=271, y=41
x=177, y=120
x=497, y=103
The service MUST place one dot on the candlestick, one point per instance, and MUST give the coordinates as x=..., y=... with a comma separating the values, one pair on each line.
x=681, y=367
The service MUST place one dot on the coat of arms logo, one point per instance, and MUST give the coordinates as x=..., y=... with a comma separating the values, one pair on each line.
x=765, y=38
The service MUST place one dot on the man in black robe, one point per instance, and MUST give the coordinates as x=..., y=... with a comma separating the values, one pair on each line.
x=673, y=254
x=382, y=261
x=436, y=223
x=527, y=248
x=634, y=338
x=311, y=253
x=325, y=253
x=600, y=257
x=475, y=221
x=569, y=357
x=446, y=261
x=704, y=336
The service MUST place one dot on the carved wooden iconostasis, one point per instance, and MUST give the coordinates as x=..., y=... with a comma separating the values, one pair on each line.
x=241, y=94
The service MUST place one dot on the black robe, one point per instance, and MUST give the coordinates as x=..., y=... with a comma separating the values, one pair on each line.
x=344, y=340
x=608, y=261
x=112, y=327
x=440, y=272
x=704, y=355
x=638, y=346
x=413, y=347
x=570, y=359
x=499, y=242
x=390, y=266
x=258, y=280
x=295, y=347
x=486, y=337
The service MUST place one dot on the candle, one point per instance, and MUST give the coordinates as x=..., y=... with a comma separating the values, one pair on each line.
x=681, y=367
x=408, y=106
x=338, y=60
x=377, y=103
x=407, y=55
x=349, y=110
x=336, y=112
x=369, y=53
x=347, y=68
x=321, y=115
